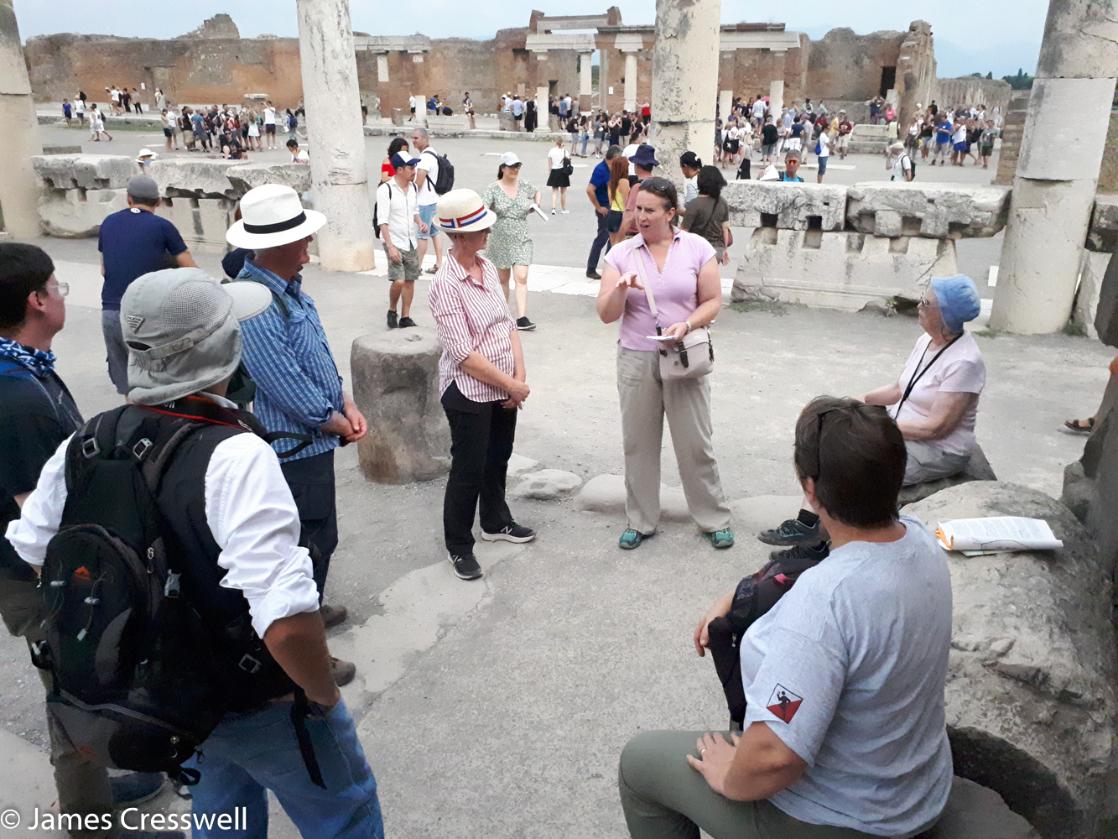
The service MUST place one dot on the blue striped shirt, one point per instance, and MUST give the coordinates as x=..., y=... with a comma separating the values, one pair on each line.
x=297, y=382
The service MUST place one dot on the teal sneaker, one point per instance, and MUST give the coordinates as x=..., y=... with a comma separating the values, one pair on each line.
x=722, y=539
x=631, y=539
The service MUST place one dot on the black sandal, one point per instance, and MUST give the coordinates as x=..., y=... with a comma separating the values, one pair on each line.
x=1078, y=426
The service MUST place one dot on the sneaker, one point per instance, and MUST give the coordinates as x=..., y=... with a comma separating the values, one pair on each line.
x=631, y=539
x=722, y=539
x=333, y=615
x=525, y=325
x=405, y=322
x=135, y=787
x=593, y=275
x=392, y=322
x=343, y=671
x=565, y=212
x=792, y=532
x=465, y=566
x=819, y=551
x=512, y=533
x=434, y=269
x=553, y=211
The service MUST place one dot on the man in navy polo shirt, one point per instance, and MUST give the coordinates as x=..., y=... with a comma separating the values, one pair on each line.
x=133, y=242
x=598, y=192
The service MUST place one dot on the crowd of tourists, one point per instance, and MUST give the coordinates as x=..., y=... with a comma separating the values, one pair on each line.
x=215, y=484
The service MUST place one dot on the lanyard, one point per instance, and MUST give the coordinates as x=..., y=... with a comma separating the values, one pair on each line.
x=917, y=373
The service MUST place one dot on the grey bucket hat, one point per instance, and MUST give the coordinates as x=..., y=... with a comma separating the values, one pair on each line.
x=182, y=331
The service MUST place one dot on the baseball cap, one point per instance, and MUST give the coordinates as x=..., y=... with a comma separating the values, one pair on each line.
x=509, y=158
x=399, y=161
x=182, y=331
x=143, y=188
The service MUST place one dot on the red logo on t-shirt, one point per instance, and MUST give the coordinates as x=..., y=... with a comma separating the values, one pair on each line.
x=783, y=703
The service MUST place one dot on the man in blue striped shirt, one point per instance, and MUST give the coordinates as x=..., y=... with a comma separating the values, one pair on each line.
x=298, y=387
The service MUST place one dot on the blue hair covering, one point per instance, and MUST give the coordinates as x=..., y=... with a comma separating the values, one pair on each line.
x=958, y=300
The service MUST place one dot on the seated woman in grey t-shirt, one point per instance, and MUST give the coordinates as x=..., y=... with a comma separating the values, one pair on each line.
x=845, y=733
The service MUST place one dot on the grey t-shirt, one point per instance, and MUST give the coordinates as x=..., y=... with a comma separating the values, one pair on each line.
x=848, y=670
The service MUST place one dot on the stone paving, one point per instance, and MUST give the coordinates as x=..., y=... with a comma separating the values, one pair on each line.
x=498, y=708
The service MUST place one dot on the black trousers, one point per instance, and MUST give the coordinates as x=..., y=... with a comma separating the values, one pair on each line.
x=311, y=480
x=481, y=438
x=600, y=241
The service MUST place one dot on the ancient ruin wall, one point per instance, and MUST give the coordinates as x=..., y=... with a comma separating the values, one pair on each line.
x=845, y=65
x=970, y=90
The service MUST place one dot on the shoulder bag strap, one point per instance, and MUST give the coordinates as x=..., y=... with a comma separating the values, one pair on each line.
x=918, y=373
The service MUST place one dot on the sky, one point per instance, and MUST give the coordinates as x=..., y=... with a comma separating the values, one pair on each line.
x=979, y=38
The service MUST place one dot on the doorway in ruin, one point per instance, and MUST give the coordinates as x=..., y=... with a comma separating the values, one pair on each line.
x=888, y=80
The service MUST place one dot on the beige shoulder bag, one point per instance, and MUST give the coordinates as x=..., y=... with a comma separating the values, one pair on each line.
x=691, y=358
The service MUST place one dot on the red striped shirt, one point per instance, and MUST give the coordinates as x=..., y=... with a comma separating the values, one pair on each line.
x=471, y=317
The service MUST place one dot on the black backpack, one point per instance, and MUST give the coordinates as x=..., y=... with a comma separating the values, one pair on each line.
x=376, y=221
x=754, y=596
x=444, y=181
x=140, y=678
x=913, y=162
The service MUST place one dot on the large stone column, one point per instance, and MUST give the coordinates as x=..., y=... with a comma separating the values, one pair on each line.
x=1054, y=189
x=776, y=98
x=19, y=188
x=630, y=81
x=725, y=103
x=339, y=179
x=684, y=80
x=543, y=105
x=585, y=80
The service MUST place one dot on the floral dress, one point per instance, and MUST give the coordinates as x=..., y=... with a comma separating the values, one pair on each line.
x=509, y=242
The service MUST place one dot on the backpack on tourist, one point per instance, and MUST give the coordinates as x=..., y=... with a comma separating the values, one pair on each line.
x=912, y=163
x=140, y=677
x=376, y=221
x=444, y=181
x=754, y=596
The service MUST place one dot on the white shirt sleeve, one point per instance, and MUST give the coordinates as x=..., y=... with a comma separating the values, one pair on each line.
x=384, y=205
x=253, y=519
x=42, y=511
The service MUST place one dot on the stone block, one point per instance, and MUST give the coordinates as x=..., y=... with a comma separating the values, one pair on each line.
x=85, y=171
x=1091, y=273
x=838, y=270
x=520, y=465
x=978, y=469
x=1030, y=695
x=936, y=211
x=1103, y=233
x=396, y=386
x=78, y=213
x=547, y=485
x=606, y=494
x=973, y=810
x=193, y=177
x=202, y=222
x=246, y=176
x=795, y=206
x=1053, y=124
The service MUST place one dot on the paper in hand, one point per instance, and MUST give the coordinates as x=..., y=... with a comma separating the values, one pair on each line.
x=536, y=209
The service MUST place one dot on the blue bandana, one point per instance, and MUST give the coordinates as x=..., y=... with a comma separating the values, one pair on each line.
x=39, y=362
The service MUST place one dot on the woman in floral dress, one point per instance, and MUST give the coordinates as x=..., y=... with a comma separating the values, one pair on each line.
x=510, y=245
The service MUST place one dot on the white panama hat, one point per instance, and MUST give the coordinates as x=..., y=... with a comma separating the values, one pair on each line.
x=145, y=155
x=463, y=211
x=272, y=215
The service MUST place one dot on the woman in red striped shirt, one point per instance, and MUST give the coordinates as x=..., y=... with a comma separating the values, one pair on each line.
x=482, y=380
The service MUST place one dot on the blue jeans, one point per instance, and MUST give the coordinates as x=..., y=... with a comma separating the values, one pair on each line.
x=250, y=753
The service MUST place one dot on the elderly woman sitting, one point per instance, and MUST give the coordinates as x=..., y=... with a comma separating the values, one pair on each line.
x=845, y=732
x=934, y=401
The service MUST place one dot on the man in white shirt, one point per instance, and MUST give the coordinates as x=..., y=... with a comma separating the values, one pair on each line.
x=823, y=142
x=270, y=123
x=759, y=111
x=399, y=225
x=298, y=155
x=426, y=176
x=902, y=163
x=248, y=542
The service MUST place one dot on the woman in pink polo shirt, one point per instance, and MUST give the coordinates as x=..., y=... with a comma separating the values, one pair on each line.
x=682, y=271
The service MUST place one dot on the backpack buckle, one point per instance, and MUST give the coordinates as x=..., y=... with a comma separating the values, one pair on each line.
x=140, y=450
x=172, y=587
x=249, y=664
x=90, y=449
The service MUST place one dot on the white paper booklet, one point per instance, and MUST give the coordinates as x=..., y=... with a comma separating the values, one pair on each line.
x=997, y=533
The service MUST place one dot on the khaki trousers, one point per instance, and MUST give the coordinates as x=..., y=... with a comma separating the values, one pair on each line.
x=664, y=798
x=645, y=401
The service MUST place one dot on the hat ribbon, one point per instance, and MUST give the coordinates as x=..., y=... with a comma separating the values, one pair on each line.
x=463, y=221
x=278, y=227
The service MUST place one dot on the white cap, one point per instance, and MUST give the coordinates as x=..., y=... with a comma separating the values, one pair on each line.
x=509, y=158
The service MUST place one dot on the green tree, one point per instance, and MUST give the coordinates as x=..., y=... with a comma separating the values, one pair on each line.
x=1021, y=81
